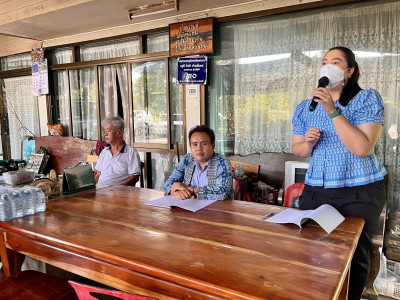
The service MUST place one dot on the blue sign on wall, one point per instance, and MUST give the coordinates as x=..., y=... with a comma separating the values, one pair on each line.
x=192, y=70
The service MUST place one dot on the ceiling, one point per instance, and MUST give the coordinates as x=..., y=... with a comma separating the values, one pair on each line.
x=28, y=24
x=44, y=23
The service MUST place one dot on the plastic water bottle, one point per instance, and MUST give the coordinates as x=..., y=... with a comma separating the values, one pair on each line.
x=6, y=212
x=29, y=205
x=15, y=197
x=40, y=203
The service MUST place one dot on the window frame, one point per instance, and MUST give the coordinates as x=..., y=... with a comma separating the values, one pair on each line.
x=140, y=146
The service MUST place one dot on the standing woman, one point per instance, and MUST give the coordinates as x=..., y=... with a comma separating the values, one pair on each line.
x=340, y=135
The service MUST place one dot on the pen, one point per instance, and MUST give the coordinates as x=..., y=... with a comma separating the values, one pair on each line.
x=267, y=215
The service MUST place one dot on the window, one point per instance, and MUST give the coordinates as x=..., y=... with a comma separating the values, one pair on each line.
x=109, y=49
x=139, y=90
x=264, y=67
x=83, y=103
x=149, y=95
x=158, y=42
x=14, y=62
x=21, y=113
x=61, y=56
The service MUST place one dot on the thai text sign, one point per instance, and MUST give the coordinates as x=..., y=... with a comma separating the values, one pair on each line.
x=192, y=70
x=191, y=38
x=40, y=78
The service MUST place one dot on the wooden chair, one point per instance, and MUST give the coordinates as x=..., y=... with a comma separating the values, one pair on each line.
x=35, y=285
x=240, y=184
x=88, y=292
x=250, y=170
x=291, y=193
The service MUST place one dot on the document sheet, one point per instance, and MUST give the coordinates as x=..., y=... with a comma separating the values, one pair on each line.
x=192, y=204
x=325, y=215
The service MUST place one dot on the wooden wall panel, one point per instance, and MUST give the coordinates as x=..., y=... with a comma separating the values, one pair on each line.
x=14, y=45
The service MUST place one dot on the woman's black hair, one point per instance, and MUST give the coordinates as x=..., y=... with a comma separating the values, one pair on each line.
x=351, y=88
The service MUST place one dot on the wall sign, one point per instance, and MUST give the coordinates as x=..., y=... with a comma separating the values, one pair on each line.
x=191, y=38
x=40, y=81
x=192, y=70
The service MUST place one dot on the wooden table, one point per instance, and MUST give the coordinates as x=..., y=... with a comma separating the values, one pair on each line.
x=223, y=251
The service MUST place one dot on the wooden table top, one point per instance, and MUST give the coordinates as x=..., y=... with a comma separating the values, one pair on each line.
x=222, y=251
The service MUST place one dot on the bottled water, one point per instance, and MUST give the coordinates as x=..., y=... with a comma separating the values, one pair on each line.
x=40, y=203
x=6, y=212
x=15, y=197
x=28, y=203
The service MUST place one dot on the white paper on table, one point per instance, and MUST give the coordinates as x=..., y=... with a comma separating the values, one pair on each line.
x=192, y=204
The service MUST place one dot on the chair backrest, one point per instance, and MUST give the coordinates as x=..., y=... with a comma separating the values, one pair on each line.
x=88, y=292
x=141, y=174
x=292, y=192
x=250, y=170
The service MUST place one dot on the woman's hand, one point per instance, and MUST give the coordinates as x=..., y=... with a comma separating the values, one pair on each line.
x=312, y=136
x=325, y=99
x=302, y=146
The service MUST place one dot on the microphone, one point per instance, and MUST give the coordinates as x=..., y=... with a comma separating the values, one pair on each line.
x=322, y=82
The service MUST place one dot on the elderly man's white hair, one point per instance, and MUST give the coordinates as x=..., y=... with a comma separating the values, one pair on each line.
x=116, y=121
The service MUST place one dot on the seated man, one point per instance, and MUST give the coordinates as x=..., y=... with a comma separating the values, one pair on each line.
x=118, y=163
x=202, y=174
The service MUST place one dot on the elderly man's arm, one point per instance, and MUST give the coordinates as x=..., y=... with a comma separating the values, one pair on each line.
x=224, y=185
x=131, y=180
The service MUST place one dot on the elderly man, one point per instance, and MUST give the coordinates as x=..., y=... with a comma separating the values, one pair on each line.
x=118, y=163
x=202, y=174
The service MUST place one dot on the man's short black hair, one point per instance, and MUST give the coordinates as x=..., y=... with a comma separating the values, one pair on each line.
x=203, y=128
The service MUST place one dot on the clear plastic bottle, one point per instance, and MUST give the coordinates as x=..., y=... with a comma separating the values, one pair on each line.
x=6, y=212
x=29, y=204
x=40, y=204
x=15, y=197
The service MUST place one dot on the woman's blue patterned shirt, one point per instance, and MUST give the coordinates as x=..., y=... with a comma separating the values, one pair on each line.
x=332, y=164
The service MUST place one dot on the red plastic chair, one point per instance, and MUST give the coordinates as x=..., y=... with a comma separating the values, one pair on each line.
x=292, y=192
x=88, y=292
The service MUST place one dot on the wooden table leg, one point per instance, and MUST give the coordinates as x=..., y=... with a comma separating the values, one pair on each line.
x=4, y=256
x=12, y=260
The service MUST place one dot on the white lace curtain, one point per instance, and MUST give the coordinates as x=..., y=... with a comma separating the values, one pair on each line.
x=110, y=49
x=109, y=90
x=18, y=98
x=13, y=62
x=83, y=103
x=266, y=66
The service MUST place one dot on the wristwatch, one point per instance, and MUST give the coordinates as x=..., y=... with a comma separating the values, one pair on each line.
x=334, y=114
x=191, y=189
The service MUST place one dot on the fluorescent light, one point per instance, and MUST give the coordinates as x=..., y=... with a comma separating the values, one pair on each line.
x=155, y=8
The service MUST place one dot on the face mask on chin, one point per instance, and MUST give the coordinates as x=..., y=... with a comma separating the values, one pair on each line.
x=334, y=73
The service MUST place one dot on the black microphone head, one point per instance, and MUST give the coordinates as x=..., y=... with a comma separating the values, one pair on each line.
x=323, y=81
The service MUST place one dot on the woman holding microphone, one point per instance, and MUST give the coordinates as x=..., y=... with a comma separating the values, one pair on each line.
x=340, y=134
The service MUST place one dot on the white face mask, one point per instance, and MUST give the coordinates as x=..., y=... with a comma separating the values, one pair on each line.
x=334, y=73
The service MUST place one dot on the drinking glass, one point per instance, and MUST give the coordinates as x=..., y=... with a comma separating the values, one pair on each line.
x=239, y=170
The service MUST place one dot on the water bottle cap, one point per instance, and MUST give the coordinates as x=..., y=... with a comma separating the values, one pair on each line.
x=27, y=191
x=4, y=196
x=15, y=194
